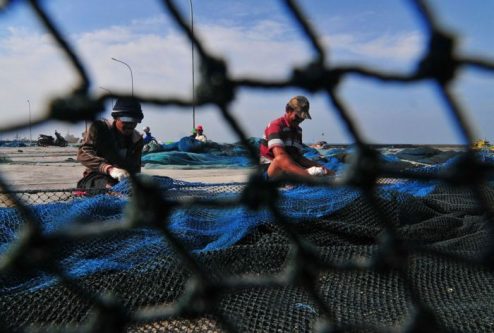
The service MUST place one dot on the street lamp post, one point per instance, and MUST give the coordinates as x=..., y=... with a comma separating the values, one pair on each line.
x=193, y=73
x=130, y=69
x=30, y=132
x=108, y=91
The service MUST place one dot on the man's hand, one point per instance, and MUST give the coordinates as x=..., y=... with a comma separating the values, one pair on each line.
x=118, y=173
x=319, y=171
x=316, y=171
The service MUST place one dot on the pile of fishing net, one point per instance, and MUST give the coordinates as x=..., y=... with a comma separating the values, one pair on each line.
x=193, y=154
x=137, y=265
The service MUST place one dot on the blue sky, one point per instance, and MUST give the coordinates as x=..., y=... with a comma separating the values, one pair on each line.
x=258, y=39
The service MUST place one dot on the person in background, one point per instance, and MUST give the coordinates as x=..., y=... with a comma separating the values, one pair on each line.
x=151, y=145
x=147, y=135
x=111, y=150
x=193, y=134
x=83, y=134
x=281, y=148
x=200, y=134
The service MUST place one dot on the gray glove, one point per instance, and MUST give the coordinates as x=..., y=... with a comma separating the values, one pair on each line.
x=118, y=173
x=316, y=171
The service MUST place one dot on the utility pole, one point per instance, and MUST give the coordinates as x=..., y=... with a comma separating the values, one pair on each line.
x=193, y=72
x=30, y=132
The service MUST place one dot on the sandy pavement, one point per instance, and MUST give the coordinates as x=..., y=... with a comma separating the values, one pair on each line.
x=33, y=168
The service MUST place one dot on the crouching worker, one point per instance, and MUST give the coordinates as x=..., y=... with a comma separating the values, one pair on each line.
x=111, y=150
x=281, y=147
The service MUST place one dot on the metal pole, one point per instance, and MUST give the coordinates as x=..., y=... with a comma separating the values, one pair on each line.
x=30, y=132
x=130, y=69
x=108, y=90
x=193, y=73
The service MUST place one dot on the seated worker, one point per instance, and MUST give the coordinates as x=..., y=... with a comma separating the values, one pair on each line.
x=281, y=148
x=193, y=134
x=147, y=135
x=200, y=135
x=111, y=150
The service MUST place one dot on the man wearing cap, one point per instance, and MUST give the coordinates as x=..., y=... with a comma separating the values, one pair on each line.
x=111, y=150
x=147, y=135
x=281, y=148
x=200, y=134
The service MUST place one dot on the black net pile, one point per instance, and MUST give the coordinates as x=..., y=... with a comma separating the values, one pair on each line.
x=383, y=262
x=37, y=196
x=349, y=271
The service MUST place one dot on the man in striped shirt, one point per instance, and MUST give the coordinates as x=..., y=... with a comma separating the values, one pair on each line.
x=281, y=148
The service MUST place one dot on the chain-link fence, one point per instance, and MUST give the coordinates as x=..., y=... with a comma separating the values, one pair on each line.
x=369, y=266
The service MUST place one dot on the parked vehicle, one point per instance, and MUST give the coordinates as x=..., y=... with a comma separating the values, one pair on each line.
x=48, y=140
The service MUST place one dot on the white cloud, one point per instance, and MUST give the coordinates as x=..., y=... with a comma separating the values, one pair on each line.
x=400, y=47
x=161, y=61
x=32, y=68
x=111, y=35
x=158, y=62
x=257, y=51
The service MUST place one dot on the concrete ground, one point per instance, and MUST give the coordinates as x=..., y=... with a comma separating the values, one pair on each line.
x=32, y=168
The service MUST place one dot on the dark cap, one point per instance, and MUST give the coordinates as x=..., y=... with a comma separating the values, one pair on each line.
x=128, y=109
x=300, y=104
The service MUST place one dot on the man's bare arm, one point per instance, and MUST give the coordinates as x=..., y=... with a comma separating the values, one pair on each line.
x=307, y=163
x=284, y=163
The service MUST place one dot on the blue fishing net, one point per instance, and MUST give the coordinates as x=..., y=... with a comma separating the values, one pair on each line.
x=193, y=154
x=178, y=159
x=12, y=143
x=200, y=229
x=337, y=220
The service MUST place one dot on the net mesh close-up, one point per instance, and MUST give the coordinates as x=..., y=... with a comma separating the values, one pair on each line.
x=380, y=249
